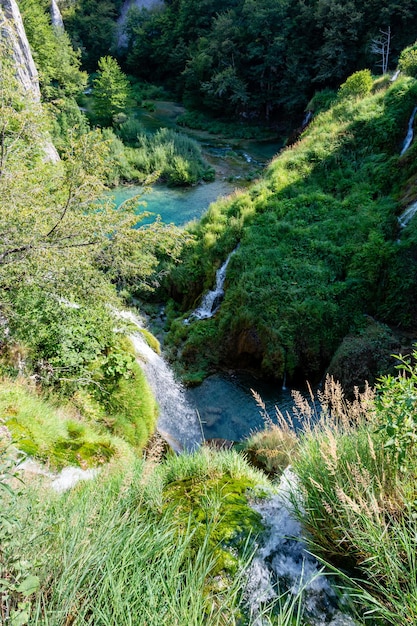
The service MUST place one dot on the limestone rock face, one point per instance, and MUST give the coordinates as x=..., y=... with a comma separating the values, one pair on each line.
x=13, y=37
x=13, y=34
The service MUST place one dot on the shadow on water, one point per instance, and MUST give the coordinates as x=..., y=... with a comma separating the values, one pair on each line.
x=228, y=409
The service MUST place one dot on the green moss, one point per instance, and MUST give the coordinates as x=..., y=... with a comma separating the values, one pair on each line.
x=51, y=434
x=219, y=503
x=151, y=340
x=132, y=409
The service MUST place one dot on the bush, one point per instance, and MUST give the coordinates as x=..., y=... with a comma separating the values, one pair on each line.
x=177, y=157
x=407, y=62
x=357, y=86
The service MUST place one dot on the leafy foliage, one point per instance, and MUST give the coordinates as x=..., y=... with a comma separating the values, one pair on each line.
x=358, y=85
x=259, y=58
x=397, y=410
x=61, y=80
x=18, y=582
x=408, y=61
x=110, y=91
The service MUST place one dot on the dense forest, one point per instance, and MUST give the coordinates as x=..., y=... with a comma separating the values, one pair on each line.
x=323, y=276
x=262, y=58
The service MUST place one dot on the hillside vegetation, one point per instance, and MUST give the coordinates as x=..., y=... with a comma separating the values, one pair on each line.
x=157, y=538
x=321, y=251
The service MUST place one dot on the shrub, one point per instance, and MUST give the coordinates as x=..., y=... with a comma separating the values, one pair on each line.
x=407, y=62
x=396, y=406
x=357, y=85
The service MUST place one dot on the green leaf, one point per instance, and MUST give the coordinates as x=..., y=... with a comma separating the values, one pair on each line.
x=29, y=585
x=20, y=617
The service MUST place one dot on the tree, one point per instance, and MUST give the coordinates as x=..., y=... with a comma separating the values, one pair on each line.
x=111, y=91
x=382, y=47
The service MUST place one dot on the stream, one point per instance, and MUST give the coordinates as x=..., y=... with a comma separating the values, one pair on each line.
x=223, y=402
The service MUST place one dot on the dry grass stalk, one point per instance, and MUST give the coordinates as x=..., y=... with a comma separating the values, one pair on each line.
x=153, y=456
x=264, y=413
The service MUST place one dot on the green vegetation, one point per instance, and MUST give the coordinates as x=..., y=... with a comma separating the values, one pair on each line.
x=319, y=246
x=61, y=80
x=175, y=156
x=166, y=542
x=358, y=502
x=130, y=530
x=358, y=85
x=355, y=465
x=110, y=91
x=54, y=434
x=178, y=534
x=408, y=61
x=258, y=59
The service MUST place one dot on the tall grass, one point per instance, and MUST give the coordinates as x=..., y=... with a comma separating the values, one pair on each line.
x=357, y=508
x=175, y=156
x=122, y=550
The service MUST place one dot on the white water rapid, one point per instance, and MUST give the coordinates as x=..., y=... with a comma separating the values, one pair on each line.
x=178, y=421
x=282, y=565
x=210, y=303
x=410, y=133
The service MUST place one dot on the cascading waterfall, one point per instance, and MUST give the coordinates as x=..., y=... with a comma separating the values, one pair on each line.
x=407, y=215
x=410, y=133
x=178, y=421
x=211, y=301
x=282, y=564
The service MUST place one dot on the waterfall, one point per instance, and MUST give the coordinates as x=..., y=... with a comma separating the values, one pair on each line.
x=282, y=564
x=395, y=76
x=307, y=119
x=210, y=303
x=410, y=133
x=178, y=421
x=56, y=17
x=407, y=215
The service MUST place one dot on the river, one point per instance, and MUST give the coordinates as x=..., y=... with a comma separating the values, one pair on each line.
x=236, y=162
x=224, y=402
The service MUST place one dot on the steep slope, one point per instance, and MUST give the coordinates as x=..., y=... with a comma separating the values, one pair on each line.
x=321, y=249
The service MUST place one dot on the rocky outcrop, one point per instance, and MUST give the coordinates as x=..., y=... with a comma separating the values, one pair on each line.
x=15, y=44
x=56, y=17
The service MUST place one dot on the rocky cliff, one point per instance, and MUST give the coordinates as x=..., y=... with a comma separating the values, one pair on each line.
x=16, y=45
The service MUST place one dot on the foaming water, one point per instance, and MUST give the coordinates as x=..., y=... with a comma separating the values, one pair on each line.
x=211, y=302
x=178, y=420
x=407, y=215
x=410, y=133
x=282, y=565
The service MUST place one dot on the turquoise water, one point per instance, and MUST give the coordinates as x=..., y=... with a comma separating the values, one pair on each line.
x=228, y=409
x=175, y=205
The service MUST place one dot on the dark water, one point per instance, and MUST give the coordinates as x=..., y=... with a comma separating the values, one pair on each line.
x=228, y=409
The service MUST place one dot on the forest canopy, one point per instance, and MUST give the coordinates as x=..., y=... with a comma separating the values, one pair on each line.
x=256, y=58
